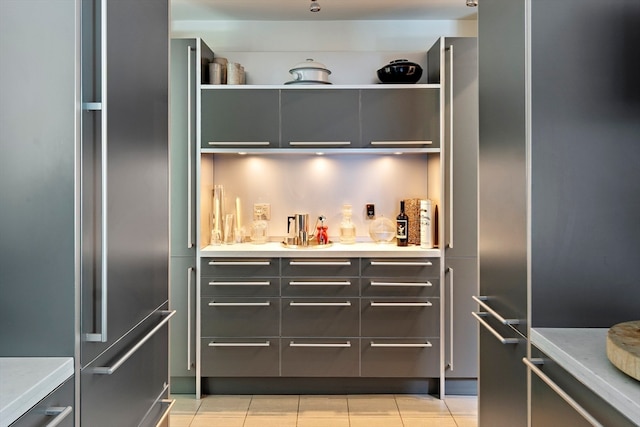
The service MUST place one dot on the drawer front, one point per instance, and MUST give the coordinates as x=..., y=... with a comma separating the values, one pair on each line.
x=320, y=357
x=320, y=267
x=321, y=286
x=400, y=317
x=240, y=267
x=246, y=357
x=400, y=287
x=240, y=317
x=401, y=267
x=240, y=287
x=320, y=317
x=58, y=406
x=400, y=357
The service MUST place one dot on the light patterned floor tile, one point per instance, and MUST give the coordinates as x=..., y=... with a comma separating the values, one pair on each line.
x=270, y=421
x=185, y=404
x=462, y=405
x=465, y=421
x=216, y=421
x=373, y=405
x=225, y=405
x=267, y=405
x=378, y=421
x=421, y=405
x=323, y=422
x=323, y=406
x=428, y=422
x=180, y=420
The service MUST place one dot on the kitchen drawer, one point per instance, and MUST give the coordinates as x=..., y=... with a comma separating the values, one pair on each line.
x=401, y=358
x=321, y=286
x=58, y=405
x=400, y=287
x=401, y=267
x=320, y=357
x=240, y=317
x=400, y=317
x=239, y=287
x=235, y=357
x=320, y=267
x=240, y=267
x=320, y=317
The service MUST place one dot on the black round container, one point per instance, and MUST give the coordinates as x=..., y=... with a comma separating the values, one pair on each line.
x=400, y=71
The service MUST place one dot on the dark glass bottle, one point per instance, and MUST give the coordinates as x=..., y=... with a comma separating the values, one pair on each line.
x=402, y=227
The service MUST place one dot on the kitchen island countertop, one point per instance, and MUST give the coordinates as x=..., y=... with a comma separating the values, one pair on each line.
x=582, y=352
x=27, y=380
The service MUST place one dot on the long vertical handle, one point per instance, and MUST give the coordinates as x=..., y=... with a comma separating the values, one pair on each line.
x=190, y=270
x=450, y=364
x=450, y=243
x=189, y=143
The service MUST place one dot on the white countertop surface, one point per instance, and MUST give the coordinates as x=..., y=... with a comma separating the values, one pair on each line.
x=277, y=249
x=24, y=381
x=583, y=353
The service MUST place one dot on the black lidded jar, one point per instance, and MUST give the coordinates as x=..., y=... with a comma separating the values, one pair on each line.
x=402, y=227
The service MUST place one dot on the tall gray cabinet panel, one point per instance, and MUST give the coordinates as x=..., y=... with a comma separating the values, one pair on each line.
x=85, y=176
x=188, y=59
x=502, y=210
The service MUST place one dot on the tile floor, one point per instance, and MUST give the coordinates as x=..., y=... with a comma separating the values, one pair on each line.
x=386, y=410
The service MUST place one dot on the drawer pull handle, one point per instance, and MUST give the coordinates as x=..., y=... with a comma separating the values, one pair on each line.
x=344, y=283
x=264, y=283
x=323, y=143
x=108, y=370
x=228, y=263
x=240, y=344
x=320, y=263
x=404, y=263
x=401, y=142
x=60, y=413
x=401, y=304
x=327, y=345
x=238, y=143
x=239, y=304
x=531, y=364
x=481, y=302
x=167, y=411
x=320, y=304
x=426, y=284
x=402, y=345
x=502, y=339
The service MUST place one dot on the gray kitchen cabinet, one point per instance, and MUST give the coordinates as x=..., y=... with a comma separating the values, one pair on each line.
x=240, y=357
x=333, y=358
x=408, y=117
x=240, y=317
x=57, y=407
x=320, y=118
x=245, y=118
x=400, y=358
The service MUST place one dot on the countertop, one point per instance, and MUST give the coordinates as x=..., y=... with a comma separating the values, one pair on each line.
x=24, y=381
x=583, y=353
x=277, y=249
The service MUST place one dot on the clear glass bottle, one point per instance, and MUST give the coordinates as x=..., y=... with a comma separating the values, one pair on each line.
x=347, y=227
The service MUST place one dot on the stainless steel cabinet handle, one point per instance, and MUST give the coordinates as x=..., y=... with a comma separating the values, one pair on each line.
x=481, y=302
x=320, y=304
x=402, y=345
x=261, y=283
x=319, y=262
x=167, y=412
x=500, y=338
x=101, y=336
x=404, y=263
x=239, y=304
x=189, y=286
x=108, y=370
x=323, y=143
x=531, y=364
x=450, y=243
x=238, y=143
x=239, y=344
x=401, y=304
x=60, y=413
x=310, y=283
x=327, y=345
x=229, y=263
x=189, y=143
x=451, y=317
x=401, y=142
x=419, y=284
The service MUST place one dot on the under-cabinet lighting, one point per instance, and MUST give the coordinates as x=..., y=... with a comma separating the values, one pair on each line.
x=319, y=153
x=242, y=153
x=397, y=153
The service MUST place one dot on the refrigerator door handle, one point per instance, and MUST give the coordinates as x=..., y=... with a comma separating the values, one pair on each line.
x=59, y=412
x=500, y=338
x=449, y=364
x=108, y=370
x=190, y=270
x=189, y=136
x=450, y=85
x=531, y=364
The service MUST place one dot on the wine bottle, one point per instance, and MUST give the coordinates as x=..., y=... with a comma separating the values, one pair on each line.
x=402, y=227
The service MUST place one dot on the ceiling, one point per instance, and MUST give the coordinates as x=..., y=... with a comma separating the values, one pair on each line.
x=331, y=10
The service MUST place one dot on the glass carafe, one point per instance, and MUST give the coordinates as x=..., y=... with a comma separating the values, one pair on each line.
x=217, y=215
x=347, y=227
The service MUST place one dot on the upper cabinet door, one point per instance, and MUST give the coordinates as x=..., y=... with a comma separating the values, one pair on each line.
x=407, y=118
x=320, y=118
x=248, y=118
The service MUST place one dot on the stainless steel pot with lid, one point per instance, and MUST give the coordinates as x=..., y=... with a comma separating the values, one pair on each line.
x=310, y=71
